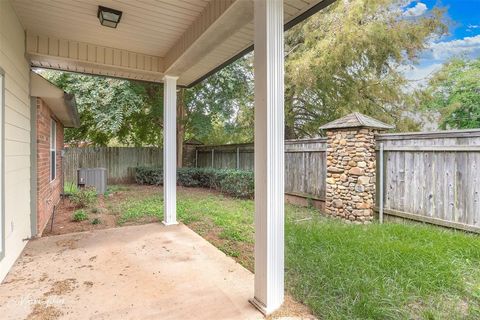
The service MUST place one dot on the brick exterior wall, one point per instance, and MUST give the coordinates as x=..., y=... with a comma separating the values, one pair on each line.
x=351, y=174
x=48, y=192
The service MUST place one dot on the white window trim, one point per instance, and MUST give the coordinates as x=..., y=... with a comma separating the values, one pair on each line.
x=53, y=150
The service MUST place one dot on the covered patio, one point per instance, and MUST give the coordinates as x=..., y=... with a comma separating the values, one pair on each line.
x=180, y=43
x=139, y=272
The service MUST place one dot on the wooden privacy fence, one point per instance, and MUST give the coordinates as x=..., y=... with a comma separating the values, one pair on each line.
x=432, y=177
x=231, y=156
x=120, y=162
x=305, y=163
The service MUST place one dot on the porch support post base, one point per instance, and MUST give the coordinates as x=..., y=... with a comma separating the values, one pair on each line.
x=260, y=306
x=169, y=223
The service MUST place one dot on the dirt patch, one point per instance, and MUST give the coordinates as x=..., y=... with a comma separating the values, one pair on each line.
x=61, y=287
x=67, y=244
x=104, y=214
x=44, y=312
x=43, y=277
x=292, y=309
x=63, y=223
x=85, y=266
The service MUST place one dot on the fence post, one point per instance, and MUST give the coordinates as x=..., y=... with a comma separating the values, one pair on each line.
x=213, y=158
x=196, y=158
x=238, y=158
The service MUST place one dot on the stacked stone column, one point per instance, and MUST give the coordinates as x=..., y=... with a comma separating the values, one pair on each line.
x=351, y=174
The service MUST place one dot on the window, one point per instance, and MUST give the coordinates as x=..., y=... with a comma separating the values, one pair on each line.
x=53, y=150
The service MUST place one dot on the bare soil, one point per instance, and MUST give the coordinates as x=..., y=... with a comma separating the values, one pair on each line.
x=63, y=222
x=107, y=211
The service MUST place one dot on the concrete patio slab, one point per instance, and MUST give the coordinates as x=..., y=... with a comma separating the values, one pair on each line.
x=138, y=272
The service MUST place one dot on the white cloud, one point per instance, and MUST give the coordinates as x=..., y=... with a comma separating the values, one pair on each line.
x=419, y=9
x=420, y=73
x=436, y=55
x=472, y=27
x=469, y=46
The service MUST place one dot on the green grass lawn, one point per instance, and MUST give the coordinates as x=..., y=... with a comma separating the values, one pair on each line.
x=390, y=271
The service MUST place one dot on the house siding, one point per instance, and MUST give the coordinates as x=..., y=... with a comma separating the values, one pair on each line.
x=17, y=138
x=48, y=192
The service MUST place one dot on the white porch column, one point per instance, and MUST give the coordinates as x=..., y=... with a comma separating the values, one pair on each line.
x=170, y=150
x=269, y=155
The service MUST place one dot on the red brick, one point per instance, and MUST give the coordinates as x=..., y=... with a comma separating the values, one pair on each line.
x=48, y=192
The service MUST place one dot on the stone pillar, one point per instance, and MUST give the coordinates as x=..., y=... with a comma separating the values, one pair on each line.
x=351, y=165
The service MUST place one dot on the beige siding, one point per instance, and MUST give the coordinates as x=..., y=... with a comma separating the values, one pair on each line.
x=17, y=135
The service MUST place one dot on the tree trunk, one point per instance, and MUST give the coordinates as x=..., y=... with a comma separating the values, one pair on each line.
x=181, y=115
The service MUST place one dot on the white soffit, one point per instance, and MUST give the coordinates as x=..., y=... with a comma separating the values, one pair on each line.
x=184, y=38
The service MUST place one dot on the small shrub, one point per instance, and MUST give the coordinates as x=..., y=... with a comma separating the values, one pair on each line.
x=196, y=177
x=237, y=183
x=94, y=210
x=70, y=188
x=80, y=215
x=150, y=176
x=84, y=197
x=96, y=221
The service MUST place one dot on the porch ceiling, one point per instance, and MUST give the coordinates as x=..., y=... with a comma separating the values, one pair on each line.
x=185, y=38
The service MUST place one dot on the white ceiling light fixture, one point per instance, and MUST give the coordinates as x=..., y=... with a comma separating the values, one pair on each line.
x=109, y=17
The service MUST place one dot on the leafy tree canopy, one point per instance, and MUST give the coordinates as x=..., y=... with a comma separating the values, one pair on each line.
x=346, y=59
x=454, y=92
x=111, y=109
x=122, y=112
x=220, y=109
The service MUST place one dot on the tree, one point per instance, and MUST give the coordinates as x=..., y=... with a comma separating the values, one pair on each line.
x=346, y=59
x=181, y=120
x=112, y=110
x=454, y=92
x=219, y=109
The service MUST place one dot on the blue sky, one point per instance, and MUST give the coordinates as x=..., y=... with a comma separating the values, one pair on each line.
x=464, y=37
